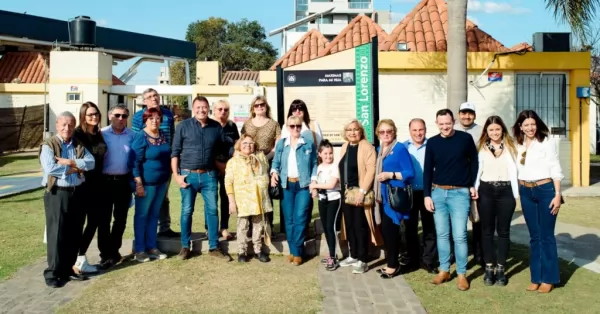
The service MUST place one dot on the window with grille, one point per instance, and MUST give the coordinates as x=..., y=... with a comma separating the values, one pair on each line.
x=546, y=94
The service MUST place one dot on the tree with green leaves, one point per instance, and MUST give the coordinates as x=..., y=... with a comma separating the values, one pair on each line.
x=238, y=46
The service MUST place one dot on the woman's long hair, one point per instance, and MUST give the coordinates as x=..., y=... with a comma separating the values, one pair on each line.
x=541, y=132
x=82, y=114
x=506, y=138
x=267, y=107
x=300, y=104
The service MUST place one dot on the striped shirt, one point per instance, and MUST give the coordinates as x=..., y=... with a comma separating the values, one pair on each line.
x=52, y=168
x=167, y=125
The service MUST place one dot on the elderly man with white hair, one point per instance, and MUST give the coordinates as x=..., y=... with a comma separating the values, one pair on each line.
x=63, y=161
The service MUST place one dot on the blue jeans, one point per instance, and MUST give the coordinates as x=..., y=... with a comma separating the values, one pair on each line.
x=145, y=220
x=206, y=184
x=295, y=205
x=452, y=207
x=543, y=255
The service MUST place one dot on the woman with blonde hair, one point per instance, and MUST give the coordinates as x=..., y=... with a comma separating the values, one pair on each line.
x=498, y=190
x=221, y=111
x=265, y=130
x=247, y=184
x=357, y=174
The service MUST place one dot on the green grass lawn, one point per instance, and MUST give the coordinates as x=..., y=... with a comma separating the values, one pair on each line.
x=20, y=163
x=594, y=158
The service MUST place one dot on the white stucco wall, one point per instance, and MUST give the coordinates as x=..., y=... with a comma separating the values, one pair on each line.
x=21, y=100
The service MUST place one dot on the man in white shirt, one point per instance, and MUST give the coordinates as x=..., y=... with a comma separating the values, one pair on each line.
x=466, y=123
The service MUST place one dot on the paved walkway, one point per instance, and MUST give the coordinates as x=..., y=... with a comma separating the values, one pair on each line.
x=20, y=183
x=367, y=293
x=27, y=292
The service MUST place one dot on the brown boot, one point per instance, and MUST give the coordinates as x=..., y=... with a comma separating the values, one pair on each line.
x=440, y=278
x=290, y=258
x=463, y=283
x=184, y=254
x=545, y=288
x=533, y=287
x=297, y=261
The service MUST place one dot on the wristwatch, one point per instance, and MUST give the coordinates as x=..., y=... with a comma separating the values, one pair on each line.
x=363, y=191
x=393, y=176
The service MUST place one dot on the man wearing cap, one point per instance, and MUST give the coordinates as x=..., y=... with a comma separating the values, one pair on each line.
x=466, y=123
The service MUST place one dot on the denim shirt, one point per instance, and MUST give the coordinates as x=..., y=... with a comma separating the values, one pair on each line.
x=306, y=159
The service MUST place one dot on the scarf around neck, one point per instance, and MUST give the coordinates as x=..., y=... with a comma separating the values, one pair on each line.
x=377, y=186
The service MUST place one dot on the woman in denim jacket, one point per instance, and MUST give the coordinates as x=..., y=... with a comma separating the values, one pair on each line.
x=295, y=167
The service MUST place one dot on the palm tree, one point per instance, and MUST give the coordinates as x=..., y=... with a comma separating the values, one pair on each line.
x=575, y=13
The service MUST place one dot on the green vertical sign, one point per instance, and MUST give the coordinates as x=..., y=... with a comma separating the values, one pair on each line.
x=364, y=89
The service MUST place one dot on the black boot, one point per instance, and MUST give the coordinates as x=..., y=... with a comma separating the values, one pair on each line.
x=501, y=279
x=488, y=276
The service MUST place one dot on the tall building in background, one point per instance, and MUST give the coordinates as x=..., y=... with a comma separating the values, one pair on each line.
x=329, y=25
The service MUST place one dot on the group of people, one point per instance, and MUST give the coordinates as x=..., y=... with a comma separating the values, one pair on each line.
x=464, y=171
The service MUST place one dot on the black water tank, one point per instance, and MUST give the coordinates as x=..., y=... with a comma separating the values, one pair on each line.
x=82, y=32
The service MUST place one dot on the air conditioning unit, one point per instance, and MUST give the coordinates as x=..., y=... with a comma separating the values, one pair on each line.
x=552, y=42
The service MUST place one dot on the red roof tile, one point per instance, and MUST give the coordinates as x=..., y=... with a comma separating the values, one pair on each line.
x=310, y=46
x=28, y=67
x=22, y=67
x=425, y=29
x=358, y=32
x=239, y=76
x=522, y=47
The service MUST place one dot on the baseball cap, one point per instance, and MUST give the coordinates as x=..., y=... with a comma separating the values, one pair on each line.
x=466, y=106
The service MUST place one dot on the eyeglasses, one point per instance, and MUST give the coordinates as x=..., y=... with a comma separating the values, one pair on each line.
x=353, y=130
x=523, y=157
x=388, y=132
x=247, y=144
x=121, y=115
x=152, y=96
x=295, y=126
x=95, y=114
x=296, y=108
x=262, y=104
x=223, y=109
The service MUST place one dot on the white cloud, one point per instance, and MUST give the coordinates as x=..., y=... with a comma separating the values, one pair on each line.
x=101, y=22
x=474, y=20
x=492, y=7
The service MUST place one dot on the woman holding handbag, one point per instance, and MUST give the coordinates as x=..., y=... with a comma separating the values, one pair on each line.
x=393, y=194
x=498, y=190
x=357, y=172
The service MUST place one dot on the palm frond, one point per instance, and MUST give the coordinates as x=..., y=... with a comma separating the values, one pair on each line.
x=575, y=13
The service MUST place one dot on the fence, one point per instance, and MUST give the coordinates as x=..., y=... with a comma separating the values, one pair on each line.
x=21, y=128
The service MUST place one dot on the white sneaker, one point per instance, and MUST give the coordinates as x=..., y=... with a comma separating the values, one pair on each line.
x=156, y=254
x=360, y=268
x=83, y=267
x=349, y=261
x=142, y=257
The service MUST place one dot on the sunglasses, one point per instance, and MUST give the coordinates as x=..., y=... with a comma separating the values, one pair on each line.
x=260, y=105
x=296, y=108
x=95, y=114
x=224, y=109
x=388, y=132
x=523, y=157
x=295, y=126
x=121, y=115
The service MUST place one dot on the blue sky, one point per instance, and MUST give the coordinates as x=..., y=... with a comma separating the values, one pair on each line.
x=509, y=21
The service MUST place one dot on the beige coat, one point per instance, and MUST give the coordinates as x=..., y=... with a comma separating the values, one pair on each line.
x=250, y=189
x=367, y=161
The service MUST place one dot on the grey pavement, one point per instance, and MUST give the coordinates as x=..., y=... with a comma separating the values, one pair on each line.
x=26, y=291
x=346, y=292
x=21, y=183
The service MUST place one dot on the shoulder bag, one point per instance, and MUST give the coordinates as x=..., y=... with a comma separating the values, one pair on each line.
x=351, y=193
x=401, y=199
x=275, y=192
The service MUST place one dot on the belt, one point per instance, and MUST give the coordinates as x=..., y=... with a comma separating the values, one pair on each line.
x=447, y=187
x=293, y=179
x=532, y=184
x=497, y=183
x=196, y=170
x=117, y=177
x=67, y=188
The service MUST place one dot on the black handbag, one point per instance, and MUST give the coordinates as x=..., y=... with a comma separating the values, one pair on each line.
x=401, y=199
x=275, y=192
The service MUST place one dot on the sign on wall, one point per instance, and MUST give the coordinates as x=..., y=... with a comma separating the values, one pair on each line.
x=334, y=95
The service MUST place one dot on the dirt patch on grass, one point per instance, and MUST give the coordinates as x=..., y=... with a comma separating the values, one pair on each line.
x=203, y=285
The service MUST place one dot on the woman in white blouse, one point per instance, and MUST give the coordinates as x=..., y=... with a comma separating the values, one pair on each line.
x=539, y=175
x=498, y=190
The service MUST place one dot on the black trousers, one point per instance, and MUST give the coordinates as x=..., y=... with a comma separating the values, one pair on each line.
x=64, y=225
x=116, y=205
x=224, y=204
x=327, y=213
x=426, y=251
x=496, y=207
x=93, y=207
x=391, y=240
x=357, y=231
